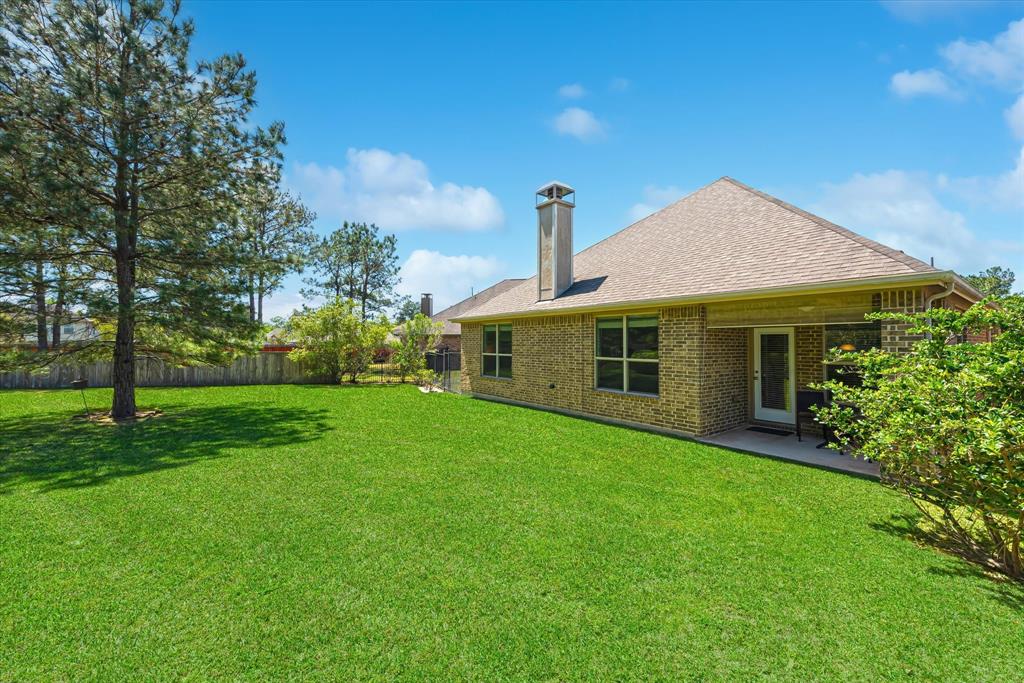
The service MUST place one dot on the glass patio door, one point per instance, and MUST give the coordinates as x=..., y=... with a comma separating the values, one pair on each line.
x=774, y=375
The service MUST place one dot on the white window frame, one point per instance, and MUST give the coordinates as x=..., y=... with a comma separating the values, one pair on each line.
x=497, y=353
x=625, y=353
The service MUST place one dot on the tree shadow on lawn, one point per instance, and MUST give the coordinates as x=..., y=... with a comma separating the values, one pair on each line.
x=999, y=587
x=56, y=452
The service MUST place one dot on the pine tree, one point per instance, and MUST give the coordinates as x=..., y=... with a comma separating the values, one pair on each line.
x=275, y=234
x=110, y=135
x=357, y=263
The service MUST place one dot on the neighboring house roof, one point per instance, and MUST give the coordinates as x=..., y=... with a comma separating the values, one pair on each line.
x=466, y=305
x=724, y=239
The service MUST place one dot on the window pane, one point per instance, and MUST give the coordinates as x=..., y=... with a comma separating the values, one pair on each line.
x=489, y=366
x=642, y=337
x=609, y=337
x=857, y=337
x=505, y=339
x=490, y=338
x=609, y=374
x=504, y=366
x=775, y=371
x=643, y=377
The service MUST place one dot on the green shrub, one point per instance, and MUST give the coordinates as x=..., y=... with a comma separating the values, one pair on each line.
x=946, y=422
x=417, y=335
x=333, y=340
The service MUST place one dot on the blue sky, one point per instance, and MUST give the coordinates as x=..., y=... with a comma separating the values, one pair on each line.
x=903, y=121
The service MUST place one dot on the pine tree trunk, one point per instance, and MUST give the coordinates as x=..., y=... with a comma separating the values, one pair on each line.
x=39, y=292
x=252, y=300
x=124, y=343
x=124, y=264
x=259, y=295
x=58, y=311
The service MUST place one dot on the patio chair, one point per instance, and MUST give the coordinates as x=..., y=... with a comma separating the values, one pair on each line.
x=806, y=398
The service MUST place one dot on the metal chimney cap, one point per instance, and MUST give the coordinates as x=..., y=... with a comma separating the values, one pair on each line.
x=566, y=188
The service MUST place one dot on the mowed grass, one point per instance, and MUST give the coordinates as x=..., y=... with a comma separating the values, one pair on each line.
x=377, y=533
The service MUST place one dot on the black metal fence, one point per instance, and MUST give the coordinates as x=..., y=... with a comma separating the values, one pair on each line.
x=447, y=367
x=444, y=364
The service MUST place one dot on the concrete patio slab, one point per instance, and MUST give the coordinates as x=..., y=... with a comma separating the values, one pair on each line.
x=788, y=448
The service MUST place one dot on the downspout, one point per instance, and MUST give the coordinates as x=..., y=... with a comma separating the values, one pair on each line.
x=930, y=301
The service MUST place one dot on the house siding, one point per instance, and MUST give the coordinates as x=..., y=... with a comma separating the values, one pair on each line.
x=895, y=337
x=559, y=351
x=810, y=352
x=725, y=400
x=704, y=373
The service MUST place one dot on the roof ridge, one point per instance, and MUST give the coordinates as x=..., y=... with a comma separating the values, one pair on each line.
x=878, y=247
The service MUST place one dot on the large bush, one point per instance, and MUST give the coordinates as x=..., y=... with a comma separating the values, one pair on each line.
x=946, y=422
x=334, y=340
x=417, y=335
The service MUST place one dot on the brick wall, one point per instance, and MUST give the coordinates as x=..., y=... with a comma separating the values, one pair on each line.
x=725, y=398
x=894, y=334
x=810, y=351
x=699, y=392
x=545, y=351
x=703, y=374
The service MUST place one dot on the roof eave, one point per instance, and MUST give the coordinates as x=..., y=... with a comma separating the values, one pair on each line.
x=920, y=278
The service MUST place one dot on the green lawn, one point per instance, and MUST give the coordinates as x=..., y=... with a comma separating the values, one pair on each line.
x=377, y=532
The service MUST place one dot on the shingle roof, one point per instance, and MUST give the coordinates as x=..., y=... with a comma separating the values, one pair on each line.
x=725, y=238
x=470, y=303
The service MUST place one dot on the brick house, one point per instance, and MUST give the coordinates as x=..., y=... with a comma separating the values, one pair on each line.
x=451, y=333
x=707, y=315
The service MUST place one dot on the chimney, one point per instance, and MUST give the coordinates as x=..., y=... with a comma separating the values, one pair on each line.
x=427, y=304
x=555, y=202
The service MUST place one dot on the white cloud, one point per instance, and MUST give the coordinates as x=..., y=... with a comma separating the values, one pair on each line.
x=1003, y=191
x=448, y=278
x=579, y=123
x=572, y=91
x=1000, y=61
x=925, y=10
x=655, y=198
x=901, y=210
x=395, y=192
x=907, y=84
x=618, y=85
x=1015, y=117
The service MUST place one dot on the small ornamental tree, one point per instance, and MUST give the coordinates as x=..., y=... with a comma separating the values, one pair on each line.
x=946, y=422
x=334, y=340
x=418, y=335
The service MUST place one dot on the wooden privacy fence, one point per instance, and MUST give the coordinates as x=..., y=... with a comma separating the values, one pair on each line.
x=264, y=368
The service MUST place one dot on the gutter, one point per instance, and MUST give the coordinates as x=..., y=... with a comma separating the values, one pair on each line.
x=940, y=277
x=929, y=303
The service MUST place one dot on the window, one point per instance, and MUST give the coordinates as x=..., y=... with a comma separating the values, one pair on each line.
x=854, y=337
x=498, y=351
x=67, y=329
x=627, y=354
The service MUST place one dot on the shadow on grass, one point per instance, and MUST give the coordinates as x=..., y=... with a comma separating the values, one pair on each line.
x=998, y=586
x=53, y=452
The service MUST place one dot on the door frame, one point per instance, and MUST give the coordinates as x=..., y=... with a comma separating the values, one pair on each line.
x=774, y=414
